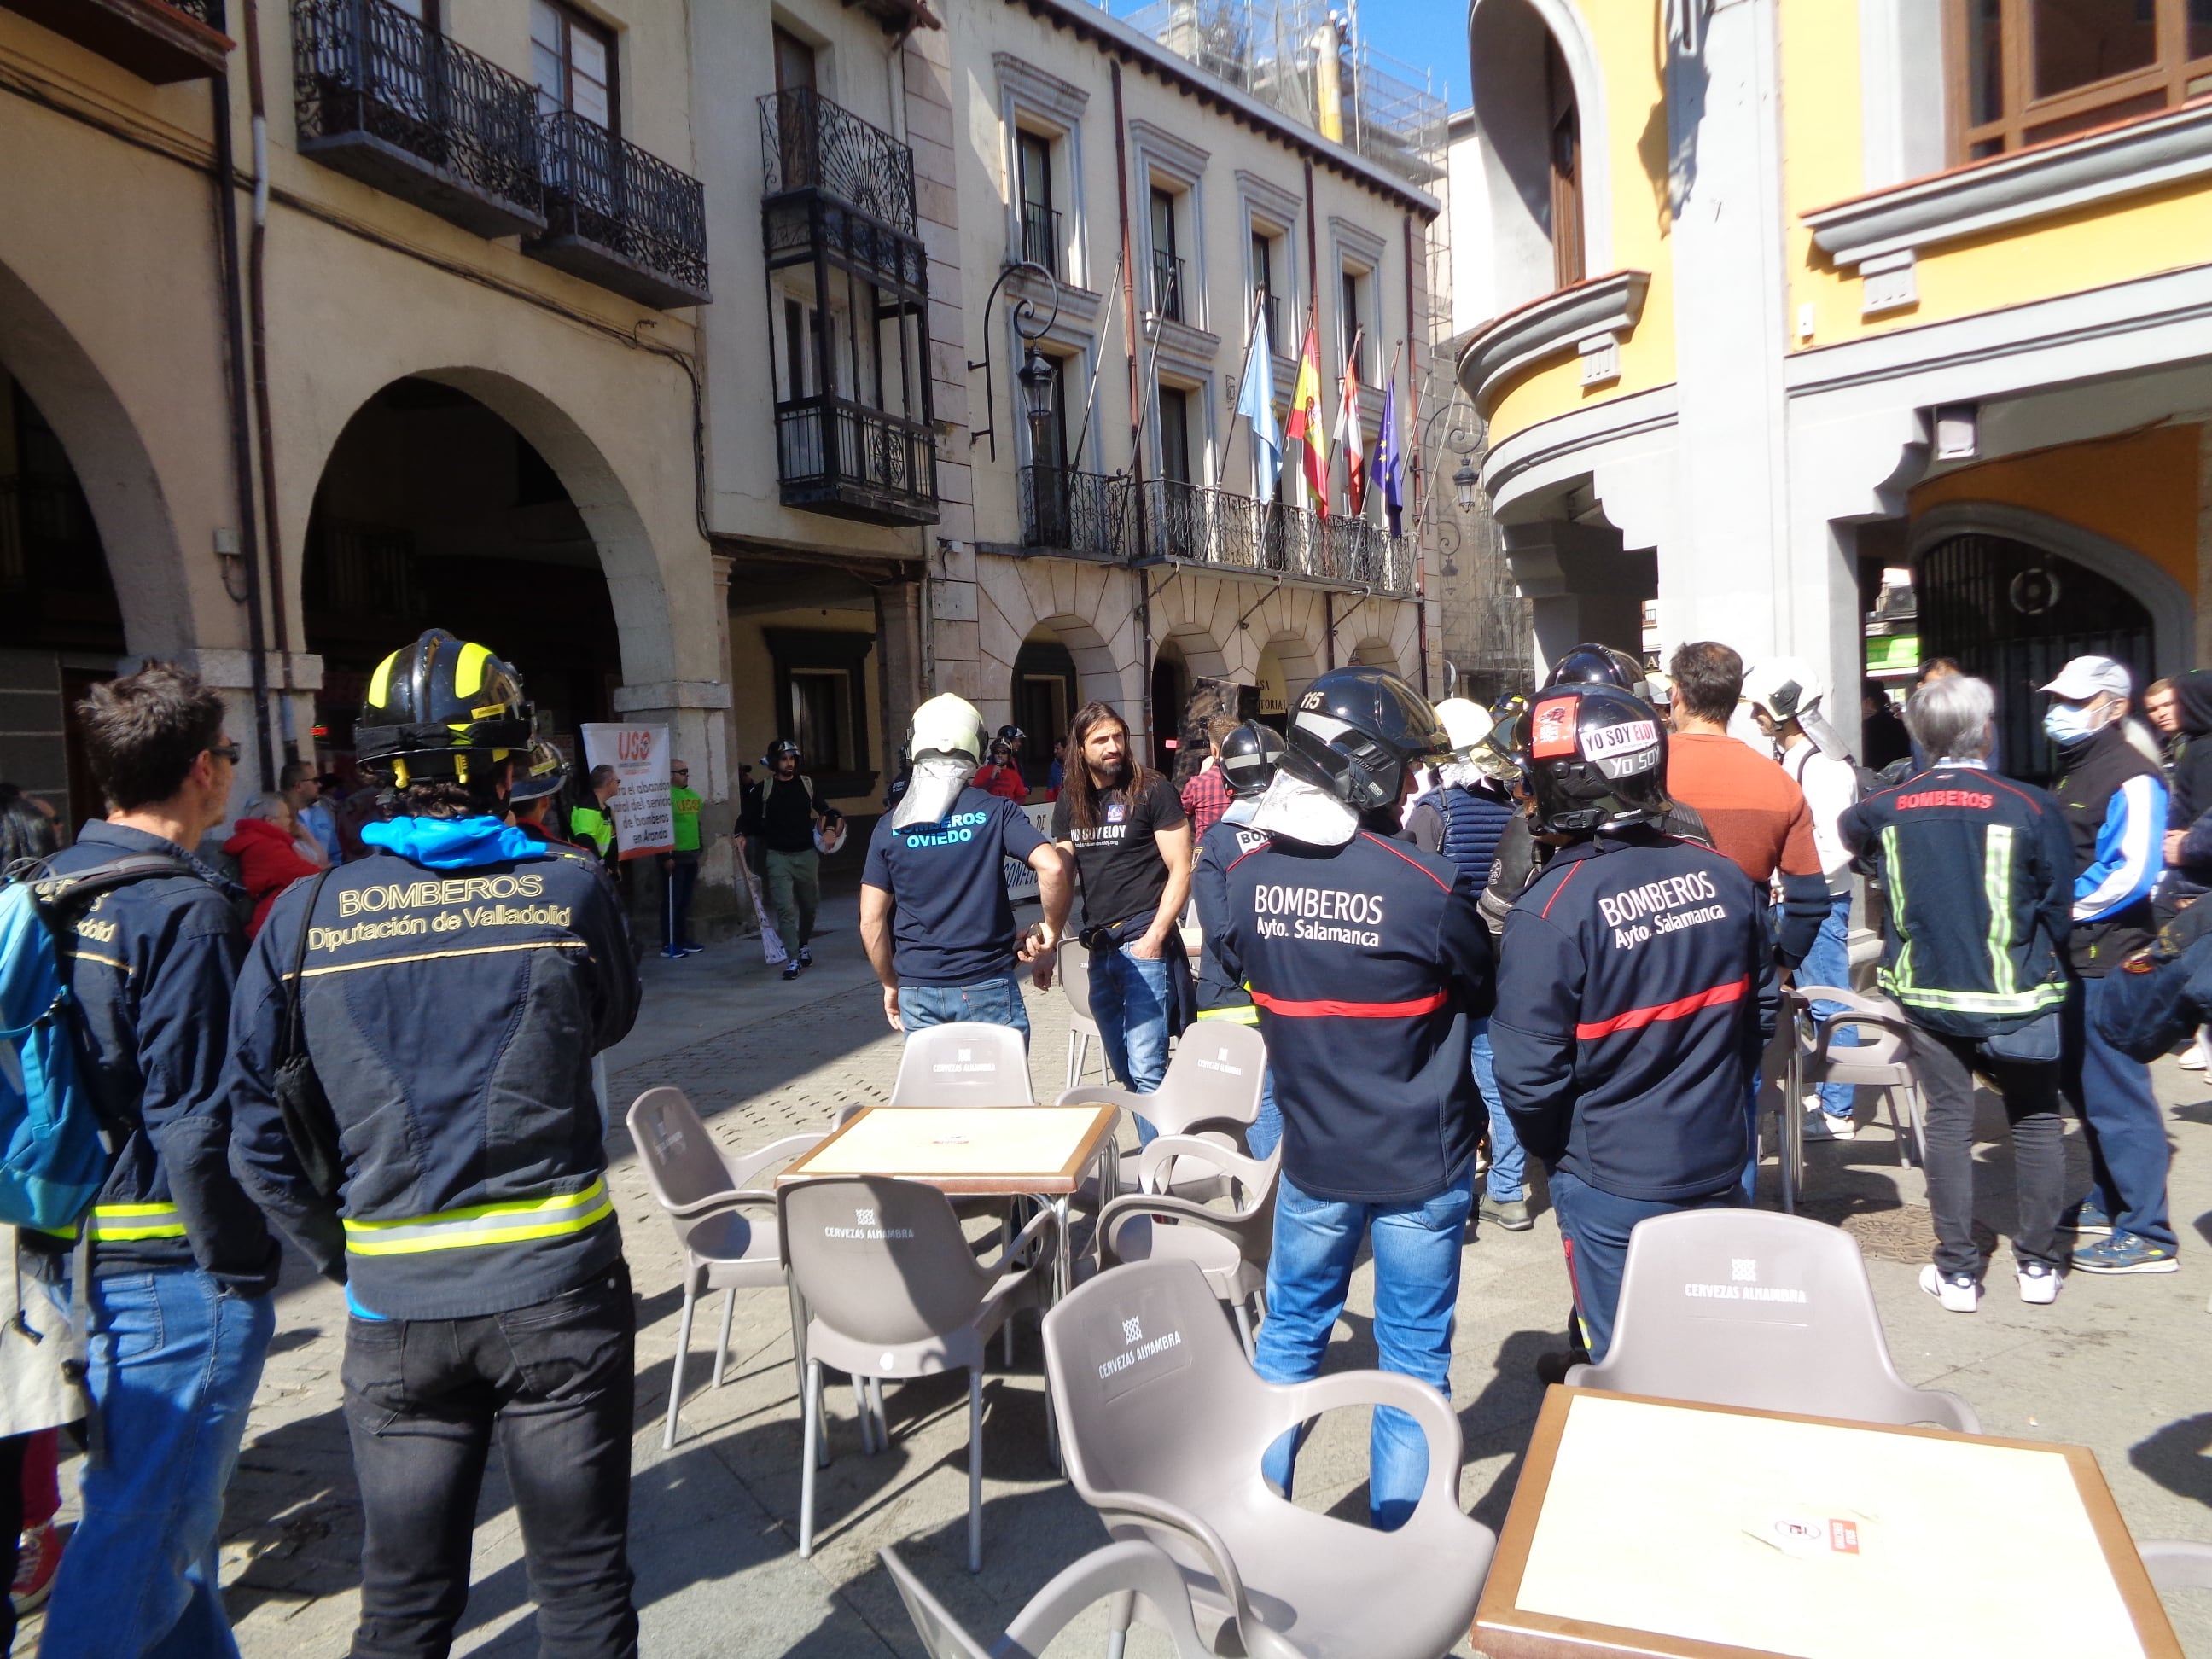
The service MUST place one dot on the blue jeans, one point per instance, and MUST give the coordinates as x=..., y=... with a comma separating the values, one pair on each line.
x=1129, y=1000
x=993, y=1002
x=174, y=1364
x=1507, y=1180
x=2127, y=1151
x=1267, y=1131
x=1594, y=1225
x=1829, y=962
x=1417, y=1257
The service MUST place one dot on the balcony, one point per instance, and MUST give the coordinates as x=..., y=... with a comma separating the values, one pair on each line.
x=1041, y=235
x=157, y=40
x=848, y=461
x=1083, y=513
x=401, y=107
x=1167, y=286
x=1223, y=529
x=809, y=143
x=619, y=217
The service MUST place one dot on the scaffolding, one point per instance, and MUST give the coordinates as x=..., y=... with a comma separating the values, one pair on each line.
x=1311, y=62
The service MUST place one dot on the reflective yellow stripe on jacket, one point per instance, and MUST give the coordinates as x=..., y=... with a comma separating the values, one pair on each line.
x=483, y=1224
x=115, y=1223
x=1247, y=1014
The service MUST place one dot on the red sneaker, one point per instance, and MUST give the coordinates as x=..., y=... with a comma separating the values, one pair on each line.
x=38, y=1558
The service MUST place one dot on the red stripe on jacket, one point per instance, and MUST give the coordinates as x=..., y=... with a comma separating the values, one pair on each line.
x=1636, y=1018
x=1330, y=1010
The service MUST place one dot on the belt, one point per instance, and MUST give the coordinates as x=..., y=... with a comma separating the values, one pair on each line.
x=481, y=1225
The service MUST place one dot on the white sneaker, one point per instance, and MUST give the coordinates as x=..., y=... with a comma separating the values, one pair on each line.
x=1820, y=1125
x=2192, y=1058
x=2037, y=1284
x=1960, y=1295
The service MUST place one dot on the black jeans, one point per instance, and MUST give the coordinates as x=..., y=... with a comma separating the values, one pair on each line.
x=423, y=1398
x=1946, y=1067
x=11, y=1527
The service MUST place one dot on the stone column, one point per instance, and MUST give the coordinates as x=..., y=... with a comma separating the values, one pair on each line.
x=898, y=670
x=1581, y=586
x=696, y=714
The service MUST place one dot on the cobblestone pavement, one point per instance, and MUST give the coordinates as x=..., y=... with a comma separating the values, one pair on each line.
x=2119, y=1365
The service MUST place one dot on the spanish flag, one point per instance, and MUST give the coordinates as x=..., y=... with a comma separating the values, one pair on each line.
x=1304, y=425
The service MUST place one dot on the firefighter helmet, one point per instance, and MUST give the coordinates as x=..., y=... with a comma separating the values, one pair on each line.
x=440, y=709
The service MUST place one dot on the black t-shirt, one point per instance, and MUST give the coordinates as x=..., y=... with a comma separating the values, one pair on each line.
x=952, y=922
x=785, y=816
x=1120, y=866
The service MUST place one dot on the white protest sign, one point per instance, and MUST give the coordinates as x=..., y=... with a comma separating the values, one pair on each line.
x=645, y=821
x=1021, y=879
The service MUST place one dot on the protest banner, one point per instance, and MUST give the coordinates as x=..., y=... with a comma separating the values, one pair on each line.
x=644, y=815
x=1021, y=879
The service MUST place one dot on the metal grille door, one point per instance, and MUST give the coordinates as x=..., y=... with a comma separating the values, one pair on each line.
x=2014, y=614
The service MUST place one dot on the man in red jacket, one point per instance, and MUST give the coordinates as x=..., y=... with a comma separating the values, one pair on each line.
x=269, y=857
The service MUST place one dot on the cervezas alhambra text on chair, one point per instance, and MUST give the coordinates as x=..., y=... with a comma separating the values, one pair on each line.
x=1230, y=1247
x=893, y=1291
x=1751, y=1308
x=1162, y=1423
x=724, y=1219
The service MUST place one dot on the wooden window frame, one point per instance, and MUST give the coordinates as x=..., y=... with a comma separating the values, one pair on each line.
x=834, y=651
x=571, y=20
x=1564, y=117
x=2019, y=114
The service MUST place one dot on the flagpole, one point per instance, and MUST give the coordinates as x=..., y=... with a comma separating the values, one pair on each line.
x=1251, y=339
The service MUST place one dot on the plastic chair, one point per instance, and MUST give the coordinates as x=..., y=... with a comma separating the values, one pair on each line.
x=724, y=1219
x=1753, y=1309
x=893, y=1289
x=1230, y=1248
x=1162, y=1424
x=2177, y=1563
x=1123, y=1569
x=1881, y=1060
x=1074, y=975
x=967, y=1063
x=1211, y=1087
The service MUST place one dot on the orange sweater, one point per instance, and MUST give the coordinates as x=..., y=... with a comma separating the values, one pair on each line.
x=1757, y=815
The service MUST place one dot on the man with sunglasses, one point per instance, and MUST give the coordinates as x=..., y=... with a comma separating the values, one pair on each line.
x=181, y=1261
x=681, y=867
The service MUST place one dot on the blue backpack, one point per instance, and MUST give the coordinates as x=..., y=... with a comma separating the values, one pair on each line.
x=53, y=1160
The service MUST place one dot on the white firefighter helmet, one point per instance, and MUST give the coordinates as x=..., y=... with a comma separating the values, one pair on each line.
x=946, y=725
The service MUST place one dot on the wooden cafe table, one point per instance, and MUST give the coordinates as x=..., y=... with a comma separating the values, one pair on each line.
x=1029, y=1151
x=1657, y=1527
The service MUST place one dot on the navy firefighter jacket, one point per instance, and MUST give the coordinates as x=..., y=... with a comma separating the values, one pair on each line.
x=452, y=1014
x=1366, y=961
x=1221, y=846
x=1636, y=992
x=150, y=966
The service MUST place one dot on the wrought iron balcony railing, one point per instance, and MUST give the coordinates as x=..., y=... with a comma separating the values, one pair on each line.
x=1041, y=235
x=1271, y=307
x=162, y=42
x=1167, y=286
x=618, y=216
x=844, y=458
x=1065, y=511
x=1220, y=528
x=807, y=142
x=398, y=105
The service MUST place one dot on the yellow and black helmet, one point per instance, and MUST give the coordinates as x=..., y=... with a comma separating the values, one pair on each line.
x=435, y=706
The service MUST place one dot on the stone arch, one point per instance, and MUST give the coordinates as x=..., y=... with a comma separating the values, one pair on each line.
x=1374, y=652
x=1091, y=609
x=2173, y=610
x=137, y=529
x=1505, y=43
x=636, y=584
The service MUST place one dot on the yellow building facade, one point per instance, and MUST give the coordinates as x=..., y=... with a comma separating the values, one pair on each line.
x=1787, y=293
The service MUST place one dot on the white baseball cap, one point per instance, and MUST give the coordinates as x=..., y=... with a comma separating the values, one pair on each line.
x=2084, y=676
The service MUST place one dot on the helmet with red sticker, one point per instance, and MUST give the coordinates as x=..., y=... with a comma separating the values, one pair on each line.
x=1596, y=759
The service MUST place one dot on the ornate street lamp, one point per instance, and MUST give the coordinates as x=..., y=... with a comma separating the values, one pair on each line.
x=1036, y=373
x=1463, y=483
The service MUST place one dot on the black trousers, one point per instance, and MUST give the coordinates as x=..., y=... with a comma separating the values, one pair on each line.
x=1946, y=1067
x=554, y=1381
x=11, y=1527
x=676, y=903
